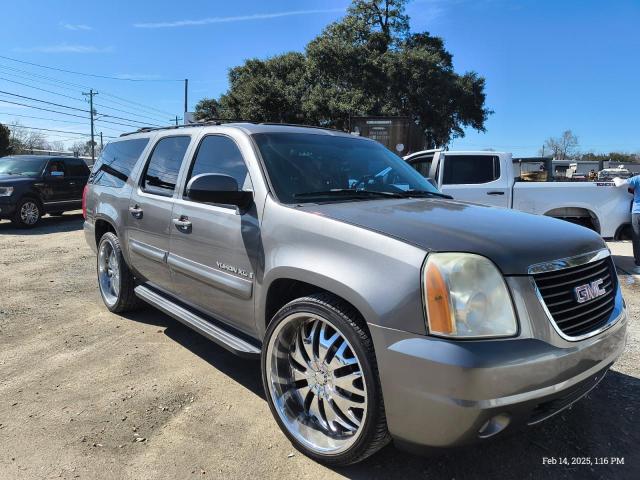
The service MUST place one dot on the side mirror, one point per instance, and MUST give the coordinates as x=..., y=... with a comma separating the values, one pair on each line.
x=217, y=188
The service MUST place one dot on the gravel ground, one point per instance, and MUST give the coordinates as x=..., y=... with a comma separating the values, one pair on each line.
x=88, y=394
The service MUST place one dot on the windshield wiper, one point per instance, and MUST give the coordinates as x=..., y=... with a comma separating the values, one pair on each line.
x=347, y=192
x=424, y=193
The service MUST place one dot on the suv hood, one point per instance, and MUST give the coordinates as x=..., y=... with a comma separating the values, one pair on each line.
x=513, y=240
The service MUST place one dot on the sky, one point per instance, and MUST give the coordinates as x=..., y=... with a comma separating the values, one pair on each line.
x=549, y=65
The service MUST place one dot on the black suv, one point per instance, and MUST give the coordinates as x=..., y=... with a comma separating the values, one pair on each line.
x=32, y=185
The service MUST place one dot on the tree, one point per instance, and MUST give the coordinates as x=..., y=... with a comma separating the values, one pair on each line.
x=563, y=147
x=78, y=148
x=368, y=63
x=57, y=146
x=269, y=90
x=84, y=148
x=23, y=139
x=5, y=136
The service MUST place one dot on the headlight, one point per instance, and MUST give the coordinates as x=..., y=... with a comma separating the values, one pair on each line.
x=6, y=191
x=466, y=297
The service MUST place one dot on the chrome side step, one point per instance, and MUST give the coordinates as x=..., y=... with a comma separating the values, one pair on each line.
x=222, y=337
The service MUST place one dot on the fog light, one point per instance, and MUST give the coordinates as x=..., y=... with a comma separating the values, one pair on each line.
x=494, y=425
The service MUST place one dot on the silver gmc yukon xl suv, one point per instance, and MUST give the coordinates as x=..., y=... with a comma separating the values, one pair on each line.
x=381, y=308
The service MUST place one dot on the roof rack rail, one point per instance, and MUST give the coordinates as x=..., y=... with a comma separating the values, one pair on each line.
x=203, y=123
x=220, y=121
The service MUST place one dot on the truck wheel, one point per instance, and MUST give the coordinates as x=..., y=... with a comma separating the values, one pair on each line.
x=27, y=213
x=321, y=380
x=115, y=280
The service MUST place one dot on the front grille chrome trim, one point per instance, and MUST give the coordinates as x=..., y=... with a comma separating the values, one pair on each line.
x=569, y=262
x=561, y=264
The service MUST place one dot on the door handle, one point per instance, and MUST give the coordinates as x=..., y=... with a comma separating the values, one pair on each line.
x=72, y=183
x=182, y=224
x=495, y=193
x=136, y=212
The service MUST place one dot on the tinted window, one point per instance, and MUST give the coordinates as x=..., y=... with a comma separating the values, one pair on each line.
x=423, y=165
x=470, y=169
x=116, y=161
x=162, y=170
x=301, y=164
x=218, y=154
x=76, y=167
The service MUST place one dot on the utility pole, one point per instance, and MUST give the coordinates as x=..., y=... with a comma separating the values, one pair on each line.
x=101, y=146
x=177, y=118
x=186, y=88
x=92, y=114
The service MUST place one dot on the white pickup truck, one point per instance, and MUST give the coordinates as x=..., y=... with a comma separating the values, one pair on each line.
x=495, y=178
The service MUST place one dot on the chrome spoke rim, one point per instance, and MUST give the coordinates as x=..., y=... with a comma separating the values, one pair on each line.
x=316, y=383
x=29, y=213
x=108, y=273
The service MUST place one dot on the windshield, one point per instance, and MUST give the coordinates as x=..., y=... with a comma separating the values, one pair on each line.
x=27, y=167
x=307, y=167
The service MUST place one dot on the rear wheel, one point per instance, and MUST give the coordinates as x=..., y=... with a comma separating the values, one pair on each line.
x=115, y=280
x=321, y=381
x=28, y=213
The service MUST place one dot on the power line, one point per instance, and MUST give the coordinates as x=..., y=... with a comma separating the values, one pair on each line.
x=41, y=108
x=66, y=113
x=56, y=81
x=127, y=112
x=81, y=110
x=57, y=131
x=44, y=101
x=41, y=118
x=77, y=99
x=108, y=77
x=41, y=89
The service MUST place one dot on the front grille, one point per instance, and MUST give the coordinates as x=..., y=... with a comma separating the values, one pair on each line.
x=557, y=289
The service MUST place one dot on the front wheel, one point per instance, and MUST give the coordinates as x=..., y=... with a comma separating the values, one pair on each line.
x=28, y=213
x=321, y=381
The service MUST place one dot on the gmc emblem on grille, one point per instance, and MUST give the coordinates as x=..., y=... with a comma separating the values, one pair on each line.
x=589, y=291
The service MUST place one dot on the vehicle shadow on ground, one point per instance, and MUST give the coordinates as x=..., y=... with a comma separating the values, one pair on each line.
x=604, y=425
x=245, y=372
x=69, y=222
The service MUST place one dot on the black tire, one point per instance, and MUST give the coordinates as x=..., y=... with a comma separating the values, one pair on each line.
x=125, y=300
x=27, y=221
x=56, y=214
x=352, y=327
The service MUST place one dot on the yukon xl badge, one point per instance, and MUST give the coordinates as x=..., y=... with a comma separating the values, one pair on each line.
x=236, y=270
x=589, y=291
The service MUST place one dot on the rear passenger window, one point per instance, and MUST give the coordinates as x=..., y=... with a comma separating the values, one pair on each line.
x=219, y=154
x=470, y=169
x=162, y=170
x=116, y=162
x=76, y=167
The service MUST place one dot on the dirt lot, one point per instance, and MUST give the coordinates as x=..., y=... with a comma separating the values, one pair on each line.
x=88, y=394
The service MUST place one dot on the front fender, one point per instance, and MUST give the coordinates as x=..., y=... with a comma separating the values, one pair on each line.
x=377, y=274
